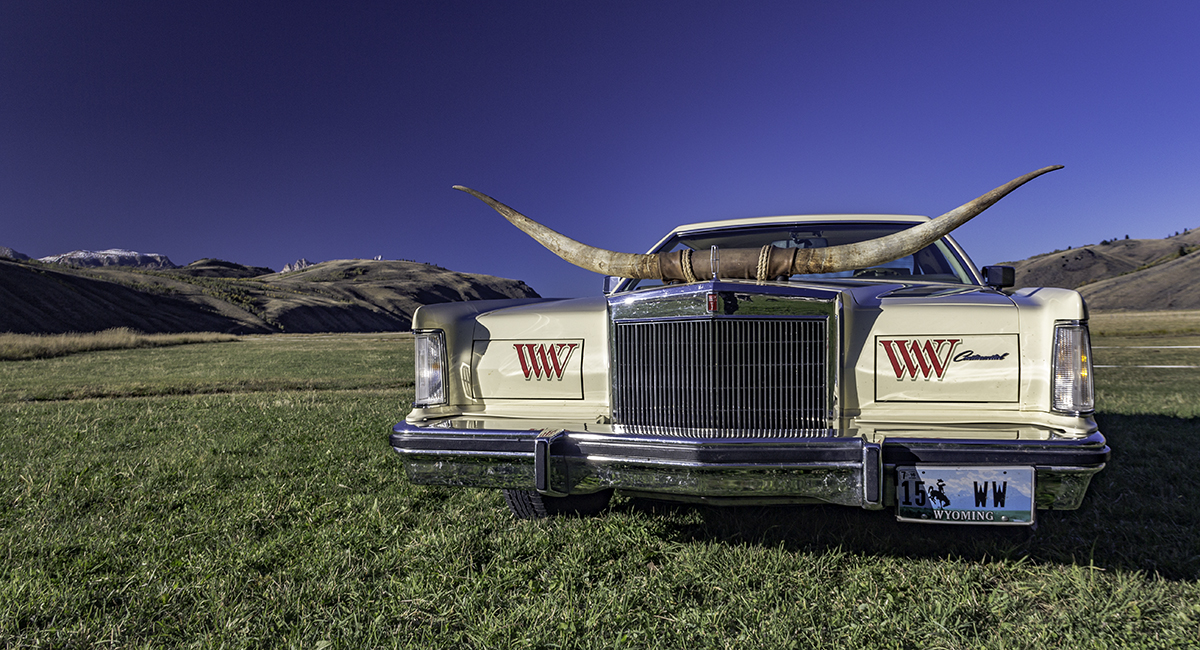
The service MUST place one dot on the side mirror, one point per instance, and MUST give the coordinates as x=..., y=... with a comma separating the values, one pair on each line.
x=611, y=282
x=999, y=277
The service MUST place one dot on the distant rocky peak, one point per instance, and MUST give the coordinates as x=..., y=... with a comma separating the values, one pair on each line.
x=11, y=254
x=112, y=257
x=297, y=265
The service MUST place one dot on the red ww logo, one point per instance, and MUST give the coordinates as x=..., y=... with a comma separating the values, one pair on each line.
x=549, y=360
x=929, y=359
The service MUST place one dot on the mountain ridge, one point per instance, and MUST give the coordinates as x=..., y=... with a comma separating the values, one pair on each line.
x=335, y=296
x=111, y=257
x=91, y=291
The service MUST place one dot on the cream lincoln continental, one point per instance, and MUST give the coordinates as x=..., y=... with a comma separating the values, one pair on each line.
x=859, y=360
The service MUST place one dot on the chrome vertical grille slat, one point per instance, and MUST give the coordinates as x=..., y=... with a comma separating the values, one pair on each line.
x=722, y=377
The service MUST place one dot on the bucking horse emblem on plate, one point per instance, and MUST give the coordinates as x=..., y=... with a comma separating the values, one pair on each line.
x=938, y=494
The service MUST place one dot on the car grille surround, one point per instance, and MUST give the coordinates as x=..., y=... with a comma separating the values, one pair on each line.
x=723, y=377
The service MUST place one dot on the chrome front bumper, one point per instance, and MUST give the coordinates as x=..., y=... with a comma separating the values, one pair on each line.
x=840, y=470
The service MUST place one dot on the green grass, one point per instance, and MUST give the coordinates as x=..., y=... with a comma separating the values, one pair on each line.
x=1132, y=388
x=250, y=363
x=242, y=494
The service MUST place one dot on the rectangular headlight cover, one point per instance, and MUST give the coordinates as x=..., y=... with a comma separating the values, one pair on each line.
x=430, y=361
x=1073, y=390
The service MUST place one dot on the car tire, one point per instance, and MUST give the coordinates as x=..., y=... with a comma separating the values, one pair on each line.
x=530, y=504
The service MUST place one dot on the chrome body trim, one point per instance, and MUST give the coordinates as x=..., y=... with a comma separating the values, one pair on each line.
x=837, y=470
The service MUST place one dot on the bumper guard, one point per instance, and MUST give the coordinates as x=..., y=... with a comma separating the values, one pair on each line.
x=839, y=470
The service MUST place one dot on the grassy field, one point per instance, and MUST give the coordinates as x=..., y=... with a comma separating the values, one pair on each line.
x=1150, y=323
x=16, y=347
x=242, y=494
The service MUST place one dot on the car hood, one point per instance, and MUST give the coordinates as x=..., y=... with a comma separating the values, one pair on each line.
x=900, y=346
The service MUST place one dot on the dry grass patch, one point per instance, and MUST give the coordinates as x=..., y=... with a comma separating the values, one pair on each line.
x=1145, y=323
x=17, y=347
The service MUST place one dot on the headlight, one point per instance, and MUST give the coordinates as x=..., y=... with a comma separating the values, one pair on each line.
x=430, y=360
x=1073, y=389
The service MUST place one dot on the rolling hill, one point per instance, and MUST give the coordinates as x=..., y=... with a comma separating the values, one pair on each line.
x=374, y=295
x=1123, y=274
x=218, y=296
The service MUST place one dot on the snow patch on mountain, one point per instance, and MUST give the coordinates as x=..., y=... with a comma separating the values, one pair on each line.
x=112, y=257
x=11, y=254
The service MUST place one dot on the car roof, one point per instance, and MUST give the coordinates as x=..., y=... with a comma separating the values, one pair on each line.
x=804, y=218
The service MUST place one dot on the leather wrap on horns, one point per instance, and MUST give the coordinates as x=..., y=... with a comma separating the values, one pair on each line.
x=754, y=263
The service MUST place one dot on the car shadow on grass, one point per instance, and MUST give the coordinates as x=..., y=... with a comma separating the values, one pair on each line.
x=1141, y=513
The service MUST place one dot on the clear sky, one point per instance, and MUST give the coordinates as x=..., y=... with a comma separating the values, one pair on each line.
x=263, y=132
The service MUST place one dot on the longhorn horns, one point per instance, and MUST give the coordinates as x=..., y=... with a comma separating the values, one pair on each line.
x=753, y=263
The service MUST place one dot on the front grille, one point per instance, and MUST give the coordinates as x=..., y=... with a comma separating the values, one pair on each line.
x=724, y=377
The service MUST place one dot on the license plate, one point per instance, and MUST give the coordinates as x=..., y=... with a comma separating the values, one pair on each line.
x=965, y=495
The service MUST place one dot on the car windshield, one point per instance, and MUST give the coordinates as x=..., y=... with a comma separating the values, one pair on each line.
x=938, y=262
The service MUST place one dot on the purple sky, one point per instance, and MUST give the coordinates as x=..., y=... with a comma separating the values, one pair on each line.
x=264, y=132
